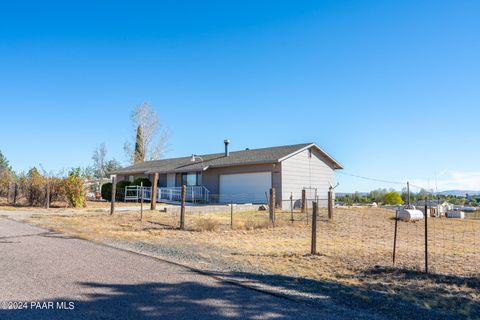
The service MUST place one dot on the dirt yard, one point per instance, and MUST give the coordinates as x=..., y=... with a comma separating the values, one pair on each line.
x=62, y=206
x=354, y=250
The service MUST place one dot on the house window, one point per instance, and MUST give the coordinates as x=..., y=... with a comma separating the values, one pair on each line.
x=191, y=179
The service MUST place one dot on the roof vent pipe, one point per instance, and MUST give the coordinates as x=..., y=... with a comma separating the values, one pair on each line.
x=227, y=153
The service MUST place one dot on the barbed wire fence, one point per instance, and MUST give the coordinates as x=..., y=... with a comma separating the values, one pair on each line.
x=360, y=237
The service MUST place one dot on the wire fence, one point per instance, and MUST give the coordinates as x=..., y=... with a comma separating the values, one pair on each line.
x=365, y=237
x=358, y=237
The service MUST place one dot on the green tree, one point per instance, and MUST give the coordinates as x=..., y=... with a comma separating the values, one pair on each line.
x=377, y=195
x=392, y=198
x=75, y=189
x=6, y=175
x=139, y=147
x=4, y=164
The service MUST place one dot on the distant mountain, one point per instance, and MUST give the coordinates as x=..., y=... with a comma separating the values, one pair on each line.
x=458, y=193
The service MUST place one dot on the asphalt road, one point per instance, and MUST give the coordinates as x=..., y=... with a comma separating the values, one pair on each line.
x=43, y=269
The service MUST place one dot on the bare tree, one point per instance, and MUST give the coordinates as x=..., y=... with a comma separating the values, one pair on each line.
x=99, y=161
x=154, y=134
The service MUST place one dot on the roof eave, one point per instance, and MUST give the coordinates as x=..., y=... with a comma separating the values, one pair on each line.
x=336, y=165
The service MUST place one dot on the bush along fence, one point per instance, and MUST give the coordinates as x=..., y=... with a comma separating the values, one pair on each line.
x=36, y=190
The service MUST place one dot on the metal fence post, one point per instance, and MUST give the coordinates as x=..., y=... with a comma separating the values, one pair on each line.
x=291, y=206
x=182, y=209
x=314, y=229
x=141, y=201
x=231, y=215
x=426, y=237
x=395, y=237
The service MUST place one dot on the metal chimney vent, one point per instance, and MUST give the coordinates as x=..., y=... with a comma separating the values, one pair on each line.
x=227, y=153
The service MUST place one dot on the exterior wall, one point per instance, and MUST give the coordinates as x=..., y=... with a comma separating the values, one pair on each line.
x=127, y=177
x=301, y=171
x=122, y=177
x=211, y=177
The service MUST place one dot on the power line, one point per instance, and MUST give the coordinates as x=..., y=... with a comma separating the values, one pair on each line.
x=381, y=180
x=372, y=179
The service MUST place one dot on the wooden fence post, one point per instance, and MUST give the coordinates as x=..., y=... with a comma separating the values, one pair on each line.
x=304, y=200
x=314, y=228
x=330, y=204
x=47, y=196
x=182, y=209
x=271, y=207
x=15, y=192
x=31, y=195
x=114, y=195
x=153, y=203
x=9, y=193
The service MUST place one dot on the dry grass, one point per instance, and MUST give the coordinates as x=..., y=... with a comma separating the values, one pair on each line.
x=356, y=241
x=206, y=224
x=91, y=206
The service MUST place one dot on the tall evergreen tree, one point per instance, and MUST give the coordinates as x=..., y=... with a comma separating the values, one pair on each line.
x=139, y=146
x=4, y=165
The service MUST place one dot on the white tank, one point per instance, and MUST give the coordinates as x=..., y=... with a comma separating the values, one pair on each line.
x=455, y=214
x=410, y=215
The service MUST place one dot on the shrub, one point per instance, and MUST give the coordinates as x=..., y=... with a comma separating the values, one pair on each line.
x=138, y=182
x=75, y=189
x=32, y=186
x=123, y=184
x=207, y=224
x=107, y=191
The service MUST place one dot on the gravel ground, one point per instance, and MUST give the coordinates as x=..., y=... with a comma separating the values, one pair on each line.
x=317, y=294
x=41, y=266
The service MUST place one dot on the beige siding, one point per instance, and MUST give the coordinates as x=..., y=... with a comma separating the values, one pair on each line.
x=302, y=171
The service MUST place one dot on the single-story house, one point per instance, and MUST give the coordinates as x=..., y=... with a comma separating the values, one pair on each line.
x=244, y=176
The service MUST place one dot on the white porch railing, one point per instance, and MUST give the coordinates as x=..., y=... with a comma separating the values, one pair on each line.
x=195, y=194
x=134, y=193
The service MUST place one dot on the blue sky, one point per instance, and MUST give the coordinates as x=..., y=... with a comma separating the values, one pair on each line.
x=389, y=88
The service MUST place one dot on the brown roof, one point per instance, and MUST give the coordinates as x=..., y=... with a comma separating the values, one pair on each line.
x=216, y=160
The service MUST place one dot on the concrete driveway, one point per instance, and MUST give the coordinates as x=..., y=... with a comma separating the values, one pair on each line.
x=44, y=269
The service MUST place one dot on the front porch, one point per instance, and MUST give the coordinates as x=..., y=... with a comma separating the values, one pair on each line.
x=194, y=194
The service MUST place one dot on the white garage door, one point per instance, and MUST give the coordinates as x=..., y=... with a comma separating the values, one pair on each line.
x=245, y=187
